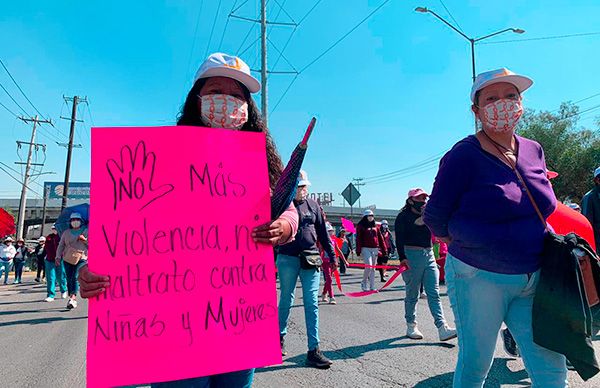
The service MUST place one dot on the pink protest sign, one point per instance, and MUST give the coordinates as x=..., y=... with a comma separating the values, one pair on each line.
x=348, y=225
x=191, y=294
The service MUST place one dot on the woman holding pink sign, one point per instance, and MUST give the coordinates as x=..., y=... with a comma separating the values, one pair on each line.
x=221, y=98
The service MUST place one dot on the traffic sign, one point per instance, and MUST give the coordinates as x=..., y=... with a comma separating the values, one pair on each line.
x=351, y=194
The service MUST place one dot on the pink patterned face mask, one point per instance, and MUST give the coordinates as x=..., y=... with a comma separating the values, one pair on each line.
x=224, y=111
x=501, y=115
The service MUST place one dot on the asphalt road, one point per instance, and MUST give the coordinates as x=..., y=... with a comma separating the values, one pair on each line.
x=43, y=345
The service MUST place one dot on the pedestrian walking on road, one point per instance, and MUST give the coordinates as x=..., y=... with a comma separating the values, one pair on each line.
x=369, y=243
x=414, y=245
x=228, y=79
x=590, y=207
x=495, y=236
x=345, y=246
x=330, y=265
x=55, y=267
x=40, y=256
x=390, y=248
x=20, y=258
x=7, y=254
x=73, y=249
x=298, y=259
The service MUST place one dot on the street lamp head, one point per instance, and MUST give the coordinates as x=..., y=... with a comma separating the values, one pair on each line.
x=422, y=9
x=518, y=31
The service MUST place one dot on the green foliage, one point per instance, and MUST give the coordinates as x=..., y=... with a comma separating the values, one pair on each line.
x=572, y=151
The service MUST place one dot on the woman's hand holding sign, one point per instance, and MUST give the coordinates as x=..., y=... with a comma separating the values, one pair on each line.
x=272, y=232
x=92, y=284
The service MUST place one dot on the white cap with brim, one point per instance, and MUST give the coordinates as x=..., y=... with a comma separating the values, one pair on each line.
x=224, y=65
x=9, y=239
x=488, y=78
x=368, y=212
x=75, y=216
x=303, y=179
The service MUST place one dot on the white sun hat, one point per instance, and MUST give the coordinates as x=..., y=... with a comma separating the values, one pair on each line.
x=368, y=212
x=303, y=181
x=224, y=65
x=488, y=78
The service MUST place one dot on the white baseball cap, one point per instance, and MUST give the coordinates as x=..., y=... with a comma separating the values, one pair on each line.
x=368, y=212
x=596, y=172
x=75, y=216
x=224, y=65
x=384, y=222
x=488, y=78
x=303, y=179
x=42, y=239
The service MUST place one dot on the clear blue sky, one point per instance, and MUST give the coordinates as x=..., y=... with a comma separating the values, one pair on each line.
x=393, y=94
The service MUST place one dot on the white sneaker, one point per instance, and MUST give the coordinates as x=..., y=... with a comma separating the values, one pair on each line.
x=412, y=331
x=64, y=295
x=332, y=300
x=74, y=303
x=70, y=304
x=49, y=299
x=423, y=295
x=446, y=332
x=324, y=299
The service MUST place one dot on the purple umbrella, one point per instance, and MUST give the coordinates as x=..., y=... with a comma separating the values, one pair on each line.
x=285, y=190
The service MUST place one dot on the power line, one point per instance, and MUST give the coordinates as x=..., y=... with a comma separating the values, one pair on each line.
x=244, y=41
x=429, y=160
x=344, y=36
x=580, y=112
x=309, y=12
x=15, y=101
x=194, y=41
x=212, y=30
x=226, y=24
x=543, y=38
x=451, y=16
x=284, y=11
x=9, y=111
x=412, y=173
x=285, y=93
x=21, y=90
x=281, y=54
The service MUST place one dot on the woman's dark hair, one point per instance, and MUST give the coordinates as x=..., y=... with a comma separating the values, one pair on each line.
x=365, y=223
x=190, y=115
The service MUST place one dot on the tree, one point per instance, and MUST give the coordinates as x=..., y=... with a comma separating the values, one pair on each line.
x=572, y=151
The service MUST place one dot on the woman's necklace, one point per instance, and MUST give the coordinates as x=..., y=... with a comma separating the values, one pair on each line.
x=506, y=150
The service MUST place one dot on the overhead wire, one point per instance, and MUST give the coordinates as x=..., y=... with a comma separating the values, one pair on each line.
x=542, y=38
x=21, y=90
x=451, y=16
x=212, y=30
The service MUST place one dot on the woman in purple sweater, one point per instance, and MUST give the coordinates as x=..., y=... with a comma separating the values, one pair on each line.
x=495, y=237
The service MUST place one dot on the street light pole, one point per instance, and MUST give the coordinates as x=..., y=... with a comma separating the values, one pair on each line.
x=472, y=41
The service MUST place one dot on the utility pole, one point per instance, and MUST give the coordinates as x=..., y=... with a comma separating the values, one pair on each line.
x=46, y=195
x=76, y=100
x=264, y=71
x=358, y=183
x=263, y=61
x=23, y=202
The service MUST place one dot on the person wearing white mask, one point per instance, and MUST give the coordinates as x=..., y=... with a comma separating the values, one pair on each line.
x=7, y=254
x=73, y=249
x=480, y=207
x=221, y=98
x=369, y=243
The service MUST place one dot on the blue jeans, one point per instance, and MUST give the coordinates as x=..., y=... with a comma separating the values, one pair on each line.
x=481, y=301
x=5, y=267
x=19, y=271
x=52, y=271
x=71, y=272
x=422, y=270
x=239, y=379
x=289, y=269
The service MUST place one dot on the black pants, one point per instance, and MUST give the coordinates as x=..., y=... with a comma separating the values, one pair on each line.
x=343, y=265
x=382, y=260
x=41, y=268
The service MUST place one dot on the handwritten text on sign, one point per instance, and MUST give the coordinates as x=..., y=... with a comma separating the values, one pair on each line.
x=191, y=294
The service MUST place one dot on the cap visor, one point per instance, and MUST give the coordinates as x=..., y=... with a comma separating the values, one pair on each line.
x=247, y=80
x=521, y=82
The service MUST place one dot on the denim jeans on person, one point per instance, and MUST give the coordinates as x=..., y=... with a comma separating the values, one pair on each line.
x=481, y=301
x=52, y=273
x=5, y=267
x=239, y=379
x=327, y=272
x=71, y=272
x=369, y=256
x=289, y=270
x=423, y=270
x=19, y=270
